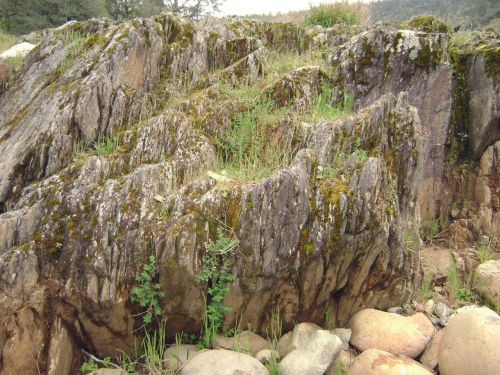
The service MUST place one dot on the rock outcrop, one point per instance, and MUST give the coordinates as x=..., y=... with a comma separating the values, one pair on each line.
x=106, y=137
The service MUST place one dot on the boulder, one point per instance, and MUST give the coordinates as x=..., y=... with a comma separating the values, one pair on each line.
x=396, y=334
x=300, y=334
x=378, y=362
x=435, y=261
x=487, y=280
x=429, y=358
x=175, y=356
x=223, y=362
x=470, y=344
x=246, y=341
x=312, y=357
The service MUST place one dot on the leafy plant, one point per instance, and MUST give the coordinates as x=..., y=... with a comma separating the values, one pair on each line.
x=147, y=293
x=88, y=367
x=216, y=273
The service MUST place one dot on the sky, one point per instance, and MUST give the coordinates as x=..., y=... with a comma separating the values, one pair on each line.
x=243, y=7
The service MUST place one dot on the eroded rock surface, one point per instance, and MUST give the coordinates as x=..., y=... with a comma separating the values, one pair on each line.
x=105, y=141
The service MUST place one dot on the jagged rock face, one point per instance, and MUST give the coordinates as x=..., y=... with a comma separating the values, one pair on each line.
x=385, y=60
x=483, y=85
x=75, y=230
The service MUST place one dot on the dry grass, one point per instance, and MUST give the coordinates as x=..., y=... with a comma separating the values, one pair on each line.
x=6, y=40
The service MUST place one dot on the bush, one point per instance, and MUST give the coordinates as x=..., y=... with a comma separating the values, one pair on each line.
x=327, y=15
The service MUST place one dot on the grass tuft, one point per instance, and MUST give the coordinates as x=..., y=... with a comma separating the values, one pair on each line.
x=327, y=15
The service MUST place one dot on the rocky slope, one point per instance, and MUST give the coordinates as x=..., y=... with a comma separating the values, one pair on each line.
x=107, y=135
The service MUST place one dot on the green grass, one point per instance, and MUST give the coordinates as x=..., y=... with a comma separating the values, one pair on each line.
x=429, y=230
x=484, y=252
x=273, y=337
x=425, y=289
x=246, y=150
x=327, y=15
x=458, y=290
x=7, y=40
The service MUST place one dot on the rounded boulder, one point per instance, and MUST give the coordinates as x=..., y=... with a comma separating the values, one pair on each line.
x=470, y=344
x=223, y=362
x=393, y=333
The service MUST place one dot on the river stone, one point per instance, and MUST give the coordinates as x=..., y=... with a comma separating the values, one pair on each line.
x=176, y=356
x=378, y=362
x=430, y=356
x=470, y=344
x=488, y=280
x=394, y=333
x=299, y=335
x=314, y=356
x=224, y=362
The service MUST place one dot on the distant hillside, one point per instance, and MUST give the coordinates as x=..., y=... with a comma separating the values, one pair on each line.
x=468, y=14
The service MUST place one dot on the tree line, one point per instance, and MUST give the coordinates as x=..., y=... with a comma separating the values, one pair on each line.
x=467, y=14
x=24, y=16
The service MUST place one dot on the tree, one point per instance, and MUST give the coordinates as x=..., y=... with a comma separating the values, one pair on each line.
x=192, y=9
x=24, y=16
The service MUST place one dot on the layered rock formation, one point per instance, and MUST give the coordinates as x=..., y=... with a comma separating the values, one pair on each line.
x=105, y=141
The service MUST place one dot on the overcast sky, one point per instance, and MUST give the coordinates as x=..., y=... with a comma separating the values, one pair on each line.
x=243, y=7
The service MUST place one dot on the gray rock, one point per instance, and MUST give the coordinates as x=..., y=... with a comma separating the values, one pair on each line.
x=314, y=356
x=395, y=310
x=442, y=310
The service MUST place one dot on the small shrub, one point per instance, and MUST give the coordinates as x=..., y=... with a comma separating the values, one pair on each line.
x=216, y=273
x=428, y=24
x=327, y=15
x=147, y=293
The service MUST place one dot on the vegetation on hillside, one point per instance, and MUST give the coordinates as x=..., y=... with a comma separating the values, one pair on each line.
x=467, y=14
x=24, y=16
